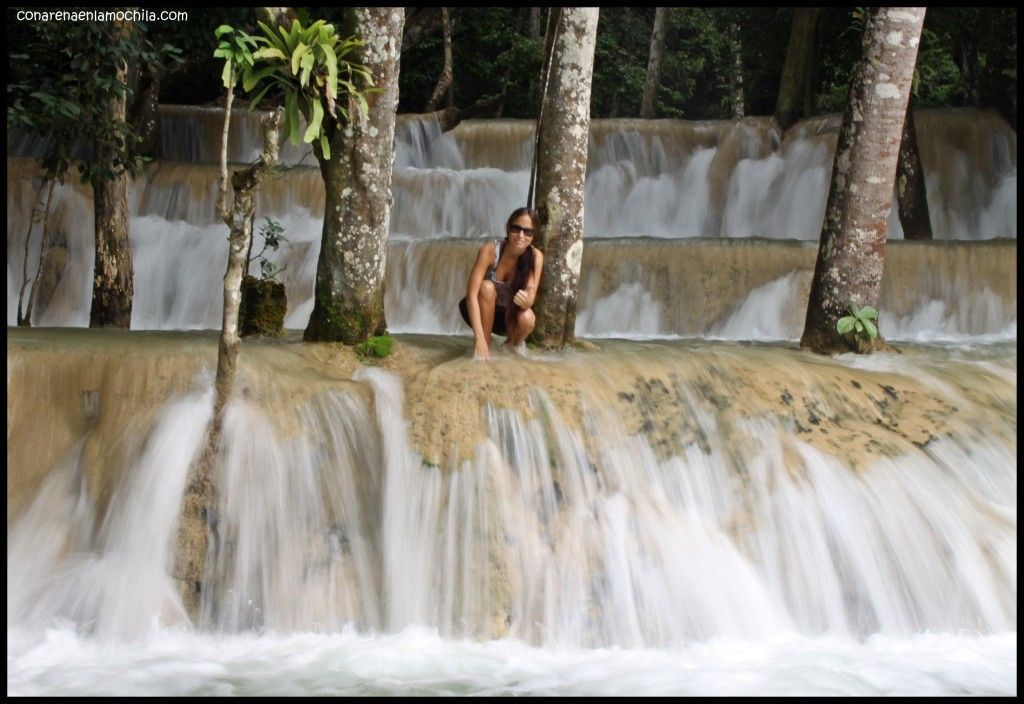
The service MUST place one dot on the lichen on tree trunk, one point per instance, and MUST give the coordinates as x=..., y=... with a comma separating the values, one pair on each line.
x=852, y=247
x=349, y=291
x=561, y=169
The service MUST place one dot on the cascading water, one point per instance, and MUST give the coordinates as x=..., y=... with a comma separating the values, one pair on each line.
x=666, y=179
x=686, y=504
x=665, y=516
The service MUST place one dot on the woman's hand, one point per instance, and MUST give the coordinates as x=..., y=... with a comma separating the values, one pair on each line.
x=481, y=351
x=522, y=299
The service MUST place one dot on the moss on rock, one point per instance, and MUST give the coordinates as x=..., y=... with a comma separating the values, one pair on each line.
x=378, y=347
x=263, y=307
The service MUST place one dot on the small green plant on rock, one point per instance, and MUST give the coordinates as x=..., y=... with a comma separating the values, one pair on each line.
x=375, y=347
x=858, y=327
x=264, y=301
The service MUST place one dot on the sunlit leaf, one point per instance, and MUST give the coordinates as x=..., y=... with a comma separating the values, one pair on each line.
x=314, y=124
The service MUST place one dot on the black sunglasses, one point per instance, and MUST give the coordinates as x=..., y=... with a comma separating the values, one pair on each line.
x=519, y=228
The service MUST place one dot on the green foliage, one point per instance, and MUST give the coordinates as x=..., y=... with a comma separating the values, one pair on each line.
x=858, y=325
x=61, y=81
x=307, y=65
x=620, y=61
x=272, y=234
x=236, y=48
x=376, y=347
x=937, y=80
x=697, y=65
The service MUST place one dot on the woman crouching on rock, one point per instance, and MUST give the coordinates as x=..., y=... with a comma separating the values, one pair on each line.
x=503, y=286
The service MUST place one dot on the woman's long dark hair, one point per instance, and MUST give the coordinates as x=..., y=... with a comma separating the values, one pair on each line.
x=524, y=265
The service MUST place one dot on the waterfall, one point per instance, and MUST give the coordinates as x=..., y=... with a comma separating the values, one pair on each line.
x=646, y=178
x=680, y=511
x=658, y=516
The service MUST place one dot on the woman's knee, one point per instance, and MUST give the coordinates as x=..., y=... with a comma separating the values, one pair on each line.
x=527, y=320
x=488, y=293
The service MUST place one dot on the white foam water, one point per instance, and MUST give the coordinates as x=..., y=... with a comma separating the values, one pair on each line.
x=419, y=662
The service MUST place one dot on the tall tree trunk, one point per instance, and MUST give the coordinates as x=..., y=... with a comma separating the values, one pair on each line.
x=534, y=23
x=197, y=529
x=44, y=242
x=349, y=295
x=911, y=196
x=649, y=102
x=444, y=82
x=561, y=168
x=852, y=248
x=25, y=319
x=736, y=76
x=144, y=113
x=796, y=85
x=112, y=286
x=965, y=54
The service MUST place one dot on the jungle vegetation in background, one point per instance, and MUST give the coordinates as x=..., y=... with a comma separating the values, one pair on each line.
x=967, y=57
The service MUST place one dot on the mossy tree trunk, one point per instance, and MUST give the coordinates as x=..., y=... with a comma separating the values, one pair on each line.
x=649, y=102
x=852, y=248
x=796, y=87
x=561, y=168
x=349, y=292
x=113, y=284
x=911, y=195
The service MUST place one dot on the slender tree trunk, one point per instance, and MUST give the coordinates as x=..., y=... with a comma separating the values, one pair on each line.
x=44, y=241
x=561, y=168
x=736, y=76
x=145, y=114
x=649, y=102
x=796, y=85
x=444, y=82
x=25, y=320
x=911, y=196
x=113, y=285
x=852, y=248
x=197, y=532
x=965, y=54
x=349, y=294
x=534, y=23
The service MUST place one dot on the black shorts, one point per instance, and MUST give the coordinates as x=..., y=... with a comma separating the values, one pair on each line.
x=499, y=318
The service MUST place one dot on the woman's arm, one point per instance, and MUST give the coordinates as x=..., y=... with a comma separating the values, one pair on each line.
x=525, y=297
x=476, y=277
